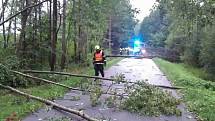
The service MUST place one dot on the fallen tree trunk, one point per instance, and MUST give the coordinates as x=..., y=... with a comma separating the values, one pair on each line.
x=41, y=79
x=130, y=56
x=48, y=102
x=94, y=77
x=66, y=74
x=59, y=84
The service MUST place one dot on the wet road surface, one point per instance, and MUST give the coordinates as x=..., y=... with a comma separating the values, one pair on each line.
x=133, y=69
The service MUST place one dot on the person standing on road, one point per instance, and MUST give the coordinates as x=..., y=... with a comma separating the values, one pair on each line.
x=99, y=61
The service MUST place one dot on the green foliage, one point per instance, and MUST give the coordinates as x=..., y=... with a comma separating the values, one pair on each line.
x=5, y=75
x=95, y=93
x=186, y=27
x=197, y=93
x=149, y=100
x=13, y=62
x=207, y=55
x=154, y=28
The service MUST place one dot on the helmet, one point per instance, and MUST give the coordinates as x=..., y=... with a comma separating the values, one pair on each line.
x=97, y=47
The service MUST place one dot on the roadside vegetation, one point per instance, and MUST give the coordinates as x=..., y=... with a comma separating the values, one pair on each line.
x=198, y=93
x=186, y=27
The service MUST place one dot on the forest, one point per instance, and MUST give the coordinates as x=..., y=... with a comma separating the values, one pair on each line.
x=53, y=34
x=185, y=26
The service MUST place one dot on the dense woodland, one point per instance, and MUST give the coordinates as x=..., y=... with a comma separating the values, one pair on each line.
x=53, y=34
x=185, y=26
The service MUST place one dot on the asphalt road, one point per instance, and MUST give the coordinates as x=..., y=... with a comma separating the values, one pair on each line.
x=133, y=69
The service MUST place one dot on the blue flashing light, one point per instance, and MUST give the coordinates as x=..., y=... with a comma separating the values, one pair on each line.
x=137, y=42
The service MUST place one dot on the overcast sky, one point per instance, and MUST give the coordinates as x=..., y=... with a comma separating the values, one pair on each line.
x=144, y=6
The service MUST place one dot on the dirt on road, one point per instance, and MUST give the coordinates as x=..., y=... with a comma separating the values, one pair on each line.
x=133, y=69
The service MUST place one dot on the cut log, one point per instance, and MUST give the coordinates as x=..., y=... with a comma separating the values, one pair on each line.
x=48, y=102
x=94, y=77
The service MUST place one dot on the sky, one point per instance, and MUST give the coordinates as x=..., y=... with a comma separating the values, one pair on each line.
x=144, y=6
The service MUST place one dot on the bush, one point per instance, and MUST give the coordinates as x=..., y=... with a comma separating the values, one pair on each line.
x=6, y=77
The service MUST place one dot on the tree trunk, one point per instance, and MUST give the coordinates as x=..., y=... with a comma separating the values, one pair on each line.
x=48, y=102
x=22, y=39
x=4, y=4
x=53, y=36
x=64, y=43
x=15, y=27
x=40, y=31
x=74, y=29
x=35, y=27
x=59, y=84
x=9, y=26
x=109, y=33
x=94, y=77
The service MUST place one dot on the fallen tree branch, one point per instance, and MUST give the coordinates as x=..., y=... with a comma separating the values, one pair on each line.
x=130, y=56
x=11, y=17
x=94, y=77
x=41, y=79
x=59, y=84
x=48, y=102
x=66, y=74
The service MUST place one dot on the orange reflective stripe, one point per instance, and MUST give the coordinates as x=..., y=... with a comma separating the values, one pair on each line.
x=98, y=56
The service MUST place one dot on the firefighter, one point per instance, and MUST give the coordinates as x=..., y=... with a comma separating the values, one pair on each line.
x=99, y=61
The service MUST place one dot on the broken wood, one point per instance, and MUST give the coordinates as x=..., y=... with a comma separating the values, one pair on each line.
x=48, y=102
x=94, y=77
x=59, y=84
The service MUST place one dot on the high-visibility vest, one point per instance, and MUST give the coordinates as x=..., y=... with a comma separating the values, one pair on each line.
x=99, y=56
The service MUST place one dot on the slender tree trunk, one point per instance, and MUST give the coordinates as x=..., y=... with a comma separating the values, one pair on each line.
x=54, y=36
x=15, y=27
x=22, y=39
x=109, y=33
x=79, y=32
x=4, y=4
x=9, y=26
x=64, y=43
x=35, y=27
x=55, y=105
x=40, y=32
x=50, y=30
x=75, y=30
x=15, y=42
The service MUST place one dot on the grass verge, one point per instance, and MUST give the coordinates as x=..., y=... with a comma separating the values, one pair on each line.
x=21, y=106
x=198, y=94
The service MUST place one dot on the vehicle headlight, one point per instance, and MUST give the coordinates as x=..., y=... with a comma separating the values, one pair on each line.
x=143, y=51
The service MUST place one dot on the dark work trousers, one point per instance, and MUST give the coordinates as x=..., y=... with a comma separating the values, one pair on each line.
x=99, y=68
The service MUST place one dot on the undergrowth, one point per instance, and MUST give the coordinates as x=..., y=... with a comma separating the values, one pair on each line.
x=198, y=93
